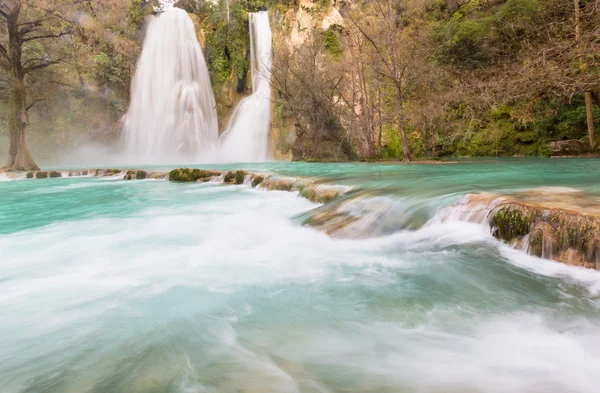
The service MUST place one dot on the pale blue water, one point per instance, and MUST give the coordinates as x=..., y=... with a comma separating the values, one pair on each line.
x=150, y=286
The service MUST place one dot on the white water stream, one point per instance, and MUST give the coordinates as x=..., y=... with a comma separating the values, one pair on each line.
x=172, y=116
x=246, y=137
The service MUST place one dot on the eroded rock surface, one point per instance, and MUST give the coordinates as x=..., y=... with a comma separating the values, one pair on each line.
x=560, y=224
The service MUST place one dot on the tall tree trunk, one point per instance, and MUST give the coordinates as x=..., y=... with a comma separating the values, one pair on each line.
x=406, y=154
x=587, y=94
x=19, y=157
x=380, y=121
x=590, y=120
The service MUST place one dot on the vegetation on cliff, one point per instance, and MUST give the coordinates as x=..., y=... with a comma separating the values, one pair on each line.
x=353, y=79
x=403, y=78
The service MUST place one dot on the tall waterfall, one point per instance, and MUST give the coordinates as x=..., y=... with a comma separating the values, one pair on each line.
x=172, y=115
x=246, y=138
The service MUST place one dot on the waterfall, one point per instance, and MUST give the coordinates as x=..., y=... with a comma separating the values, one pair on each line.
x=172, y=115
x=246, y=137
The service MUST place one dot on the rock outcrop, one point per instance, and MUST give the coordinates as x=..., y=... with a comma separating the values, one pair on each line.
x=553, y=223
x=572, y=147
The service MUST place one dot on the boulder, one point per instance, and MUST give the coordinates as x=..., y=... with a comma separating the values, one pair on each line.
x=572, y=147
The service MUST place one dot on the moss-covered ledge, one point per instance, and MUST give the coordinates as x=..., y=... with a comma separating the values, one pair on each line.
x=563, y=226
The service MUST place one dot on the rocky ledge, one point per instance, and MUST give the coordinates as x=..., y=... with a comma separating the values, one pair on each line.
x=307, y=188
x=560, y=224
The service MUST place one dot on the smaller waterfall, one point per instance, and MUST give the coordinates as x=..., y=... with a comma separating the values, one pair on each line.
x=172, y=116
x=246, y=138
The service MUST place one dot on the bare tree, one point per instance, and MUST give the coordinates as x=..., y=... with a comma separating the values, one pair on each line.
x=396, y=48
x=24, y=22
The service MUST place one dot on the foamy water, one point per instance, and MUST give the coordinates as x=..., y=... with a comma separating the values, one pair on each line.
x=149, y=286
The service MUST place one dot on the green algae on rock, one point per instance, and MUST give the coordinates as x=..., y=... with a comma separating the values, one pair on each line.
x=191, y=175
x=561, y=226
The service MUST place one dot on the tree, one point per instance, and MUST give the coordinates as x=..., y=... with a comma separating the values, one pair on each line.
x=310, y=93
x=25, y=23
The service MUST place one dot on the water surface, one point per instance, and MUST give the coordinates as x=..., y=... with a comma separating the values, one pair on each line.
x=150, y=286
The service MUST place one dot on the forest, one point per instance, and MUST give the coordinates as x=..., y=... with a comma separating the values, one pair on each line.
x=351, y=80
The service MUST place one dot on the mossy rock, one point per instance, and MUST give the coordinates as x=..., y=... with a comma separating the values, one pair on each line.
x=510, y=222
x=191, y=175
x=112, y=172
x=41, y=175
x=30, y=175
x=239, y=177
x=54, y=174
x=257, y=180
x=136, y=175
x=553, y=233
x=229, y=178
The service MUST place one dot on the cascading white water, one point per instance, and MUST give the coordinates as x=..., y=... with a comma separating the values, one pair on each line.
x=246, y=137
x=172, y=116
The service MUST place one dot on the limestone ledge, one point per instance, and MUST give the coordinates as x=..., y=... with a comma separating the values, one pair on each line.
x=307, y=188
x=559, y=224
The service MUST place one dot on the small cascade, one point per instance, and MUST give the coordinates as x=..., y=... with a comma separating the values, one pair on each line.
x=246, y=137
x=172, y=117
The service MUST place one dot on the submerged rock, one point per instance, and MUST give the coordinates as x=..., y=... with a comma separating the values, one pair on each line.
x=360, y=216
x=558, y=224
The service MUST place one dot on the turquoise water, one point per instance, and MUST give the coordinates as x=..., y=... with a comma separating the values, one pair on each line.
x=150, y=286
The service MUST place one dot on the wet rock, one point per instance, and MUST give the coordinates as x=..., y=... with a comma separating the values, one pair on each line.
x=54, y=174
x=572, y=147
x=191, y=175
x=321, y=194
x=236, y=177
x=257, y=180
x=561, y=224
x=278, y=183
x=136, y=175
x=365, y=216
x=41, y=175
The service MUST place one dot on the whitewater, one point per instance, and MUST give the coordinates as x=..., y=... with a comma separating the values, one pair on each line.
x=151, y=286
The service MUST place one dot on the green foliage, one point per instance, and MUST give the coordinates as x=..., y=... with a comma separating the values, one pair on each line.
x=331, y=41
x=136, y=12
x=227, y=42
x=474, y=38
x=393, y=148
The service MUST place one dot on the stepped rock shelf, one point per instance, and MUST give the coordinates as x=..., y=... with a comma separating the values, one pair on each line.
x=553, y=223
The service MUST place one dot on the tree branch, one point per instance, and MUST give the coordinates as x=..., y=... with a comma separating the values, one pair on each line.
x=40, y=66
x=37, y=37
x=33, y=103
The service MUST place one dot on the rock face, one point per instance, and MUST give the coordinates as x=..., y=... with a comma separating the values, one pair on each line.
x=558, y=224
x=572, y=147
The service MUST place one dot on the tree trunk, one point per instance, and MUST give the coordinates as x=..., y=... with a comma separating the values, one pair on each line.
x=19, y=157
x=380, y=121
x=590, y=120
x=406, y=154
